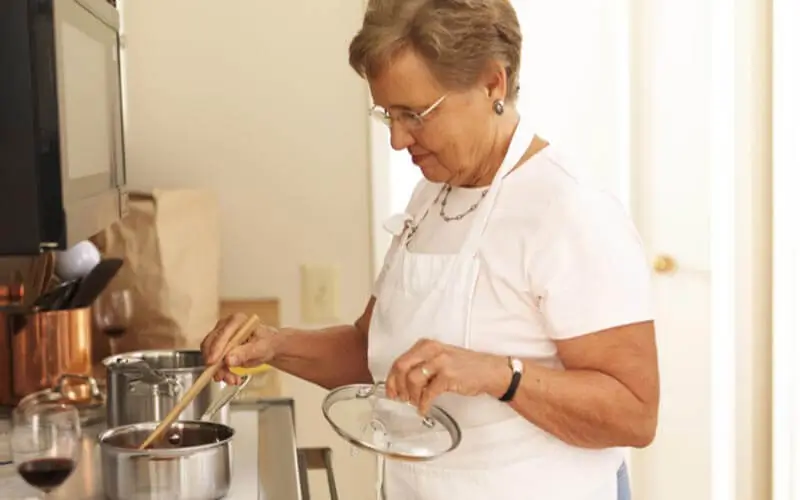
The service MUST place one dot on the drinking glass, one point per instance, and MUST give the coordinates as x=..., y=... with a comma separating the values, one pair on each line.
x=46, y=443
x=113, y=313
x=5, y=442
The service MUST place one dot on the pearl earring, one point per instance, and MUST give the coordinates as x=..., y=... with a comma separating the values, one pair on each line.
x=499, y=107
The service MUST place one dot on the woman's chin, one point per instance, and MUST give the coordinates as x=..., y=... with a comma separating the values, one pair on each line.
x=433, y=171
x=434, y=176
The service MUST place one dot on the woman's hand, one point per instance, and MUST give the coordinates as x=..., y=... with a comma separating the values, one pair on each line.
x=431, y=368
x=259, y=348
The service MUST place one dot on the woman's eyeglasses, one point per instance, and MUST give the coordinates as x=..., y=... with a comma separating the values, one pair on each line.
x=408, y=119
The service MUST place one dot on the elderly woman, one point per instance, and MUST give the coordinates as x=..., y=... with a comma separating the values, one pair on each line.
x=515, y=294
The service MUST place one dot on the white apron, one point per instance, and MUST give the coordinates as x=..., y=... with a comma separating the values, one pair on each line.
x=431, y=296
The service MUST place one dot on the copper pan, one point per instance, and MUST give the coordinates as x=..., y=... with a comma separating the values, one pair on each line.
x=6, y=394
x=48, y=345
x=10, y=299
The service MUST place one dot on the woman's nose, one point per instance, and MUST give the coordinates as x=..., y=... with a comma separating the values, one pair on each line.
x=400, y=137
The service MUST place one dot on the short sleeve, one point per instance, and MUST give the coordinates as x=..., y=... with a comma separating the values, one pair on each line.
x=592, y=274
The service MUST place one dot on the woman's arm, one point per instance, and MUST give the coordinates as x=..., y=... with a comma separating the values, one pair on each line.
x=607, y=395
x=329, y=357
x=592, y=288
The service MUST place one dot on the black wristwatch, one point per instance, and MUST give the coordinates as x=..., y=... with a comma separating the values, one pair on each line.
x=516, y=366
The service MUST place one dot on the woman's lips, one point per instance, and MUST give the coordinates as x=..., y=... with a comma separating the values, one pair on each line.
x=418, y=158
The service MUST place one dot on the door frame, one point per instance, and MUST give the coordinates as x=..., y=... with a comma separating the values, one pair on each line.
x=786, y=276
x=741, y=248
x=722, y=244
x=380, y=162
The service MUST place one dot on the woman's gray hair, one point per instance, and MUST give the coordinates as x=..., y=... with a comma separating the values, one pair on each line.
x=457, y=38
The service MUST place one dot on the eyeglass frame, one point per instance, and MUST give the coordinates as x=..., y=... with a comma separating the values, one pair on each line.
x=418, y=119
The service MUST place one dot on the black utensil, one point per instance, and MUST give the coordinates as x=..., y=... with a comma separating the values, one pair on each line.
x=48, y=300
x=65, y=294
x=57, y=298
x=95, y=282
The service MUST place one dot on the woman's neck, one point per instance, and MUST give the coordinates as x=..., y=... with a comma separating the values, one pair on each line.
x=503, y=134
x=485, y=174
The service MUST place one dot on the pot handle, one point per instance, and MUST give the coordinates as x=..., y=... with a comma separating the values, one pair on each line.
x=169, y=386
x=91, y=381
x=230, y=392
x=139, y=370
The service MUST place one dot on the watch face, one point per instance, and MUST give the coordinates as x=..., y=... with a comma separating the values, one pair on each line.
x=516, y=365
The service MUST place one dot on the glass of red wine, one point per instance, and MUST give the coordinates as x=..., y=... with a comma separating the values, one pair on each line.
x=46, y=443
x=113, y=312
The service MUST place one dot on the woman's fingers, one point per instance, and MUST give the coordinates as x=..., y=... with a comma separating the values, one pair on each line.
x=430, y=379
x=431, y=368
x=409, y=374
x=211, y=350
x=417, y=379
x=207, y=345
x=218, y=339
x=252, y=353
x=256, y=350
x=437, y=384
x=231, y=378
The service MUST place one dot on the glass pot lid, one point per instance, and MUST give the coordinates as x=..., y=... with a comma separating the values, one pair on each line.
x=81, y=391
x=363, y=415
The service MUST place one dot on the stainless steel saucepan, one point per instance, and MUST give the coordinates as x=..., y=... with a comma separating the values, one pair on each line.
x=192, y=461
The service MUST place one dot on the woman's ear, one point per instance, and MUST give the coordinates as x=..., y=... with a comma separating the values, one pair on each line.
x=495, y=81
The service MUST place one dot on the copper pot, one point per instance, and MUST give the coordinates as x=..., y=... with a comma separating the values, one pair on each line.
x=10, y=301
x=48, y=345
x=6, y=392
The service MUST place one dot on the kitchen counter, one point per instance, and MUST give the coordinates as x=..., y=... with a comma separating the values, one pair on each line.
x=264, y=458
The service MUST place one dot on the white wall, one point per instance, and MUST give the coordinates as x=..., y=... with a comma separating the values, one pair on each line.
x=255, y=100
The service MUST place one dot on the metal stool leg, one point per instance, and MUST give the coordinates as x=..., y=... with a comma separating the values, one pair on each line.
x=302, y=469
x=316, y=459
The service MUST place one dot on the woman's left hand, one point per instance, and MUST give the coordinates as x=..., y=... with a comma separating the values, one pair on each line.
x=431, y=368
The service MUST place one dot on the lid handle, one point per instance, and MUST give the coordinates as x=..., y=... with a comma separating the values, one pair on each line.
x=370, y=390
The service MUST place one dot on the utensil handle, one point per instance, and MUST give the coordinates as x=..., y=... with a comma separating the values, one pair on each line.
x=223, y=399
x=202, y=381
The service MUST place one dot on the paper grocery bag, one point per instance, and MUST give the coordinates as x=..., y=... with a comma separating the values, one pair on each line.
x=170, y=243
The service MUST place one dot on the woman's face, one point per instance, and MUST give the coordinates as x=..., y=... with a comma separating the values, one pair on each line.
x=449, y=144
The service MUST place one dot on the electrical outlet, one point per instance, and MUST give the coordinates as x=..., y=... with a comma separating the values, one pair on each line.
x=320, y=294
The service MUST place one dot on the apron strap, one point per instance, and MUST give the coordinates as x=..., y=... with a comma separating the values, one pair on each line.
x=399, y=224
x=523, y=135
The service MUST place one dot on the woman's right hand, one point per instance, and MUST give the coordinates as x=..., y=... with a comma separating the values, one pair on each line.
x=258, y=349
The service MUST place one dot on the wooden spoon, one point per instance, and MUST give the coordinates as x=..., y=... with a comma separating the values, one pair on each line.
x=241, y=334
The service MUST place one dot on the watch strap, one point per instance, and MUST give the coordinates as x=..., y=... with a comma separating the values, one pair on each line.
x=516, y=376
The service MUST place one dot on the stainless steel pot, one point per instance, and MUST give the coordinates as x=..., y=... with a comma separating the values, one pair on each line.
x=143, y=386
x=192, y=462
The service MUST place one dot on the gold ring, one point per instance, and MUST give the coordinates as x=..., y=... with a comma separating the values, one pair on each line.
x=425, y=372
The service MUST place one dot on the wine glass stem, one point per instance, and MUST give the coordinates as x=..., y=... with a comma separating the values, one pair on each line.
x=112, y=342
